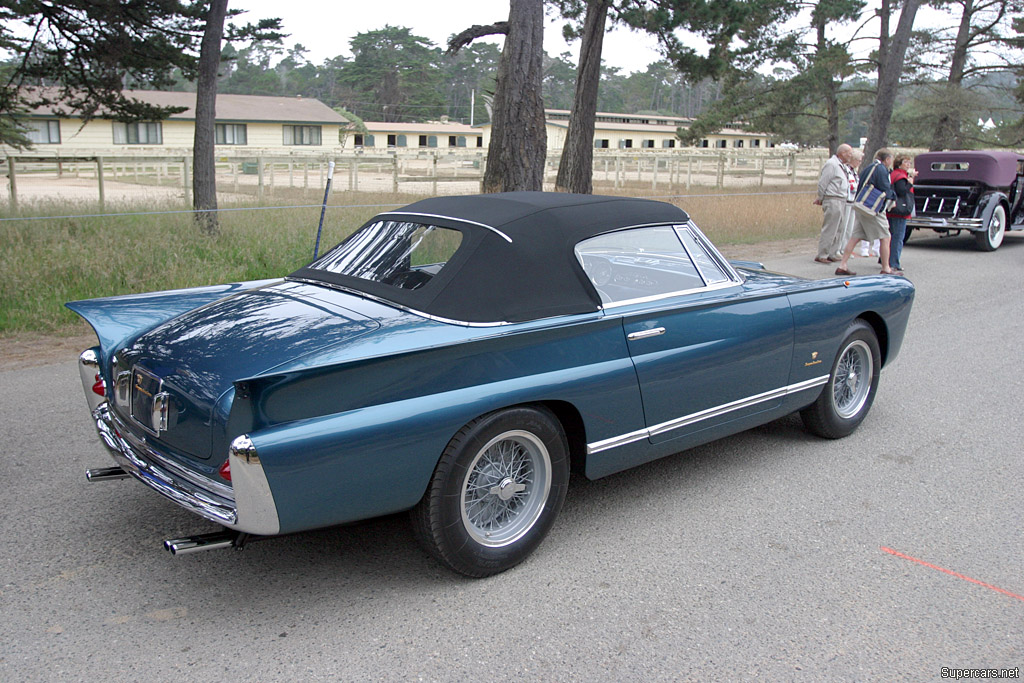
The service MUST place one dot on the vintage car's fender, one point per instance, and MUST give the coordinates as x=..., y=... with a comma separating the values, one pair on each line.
x=987, y=206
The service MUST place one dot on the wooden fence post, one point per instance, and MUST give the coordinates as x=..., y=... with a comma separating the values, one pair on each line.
x=12, y=181
x=259, y=178
x=394, y=174
x=720, y=180
x=99, y=181
x=186, y=179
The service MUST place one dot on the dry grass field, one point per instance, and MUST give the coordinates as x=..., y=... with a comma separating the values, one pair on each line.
x=58, y=251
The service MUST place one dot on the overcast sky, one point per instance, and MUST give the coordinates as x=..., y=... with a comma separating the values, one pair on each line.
x=326, y=32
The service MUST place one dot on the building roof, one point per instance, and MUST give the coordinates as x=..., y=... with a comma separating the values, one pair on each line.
x=437, y=127
x=234, y=107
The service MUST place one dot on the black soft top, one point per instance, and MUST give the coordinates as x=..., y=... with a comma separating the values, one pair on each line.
x=516, y=260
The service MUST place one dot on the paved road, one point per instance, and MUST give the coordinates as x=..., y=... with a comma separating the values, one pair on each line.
x=756, y=557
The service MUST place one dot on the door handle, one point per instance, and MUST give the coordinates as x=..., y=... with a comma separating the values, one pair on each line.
x=644, y=334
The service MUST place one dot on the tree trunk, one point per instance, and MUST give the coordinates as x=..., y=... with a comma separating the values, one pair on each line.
x=576, y=168
x=890, y=67
x=204, y=176
x=517, y=151
x=831, y=90
x=947, y=130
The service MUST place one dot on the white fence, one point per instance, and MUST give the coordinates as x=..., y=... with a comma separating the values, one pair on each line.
x=35, y=178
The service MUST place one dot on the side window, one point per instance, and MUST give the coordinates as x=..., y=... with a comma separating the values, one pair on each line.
x=642, y=263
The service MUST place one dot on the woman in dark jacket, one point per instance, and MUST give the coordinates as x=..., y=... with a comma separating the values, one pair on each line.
x=899, y=214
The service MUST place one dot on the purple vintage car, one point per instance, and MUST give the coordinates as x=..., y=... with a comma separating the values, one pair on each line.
x=980, y=192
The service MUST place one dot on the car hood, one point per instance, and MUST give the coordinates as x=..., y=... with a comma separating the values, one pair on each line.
x=199, y=354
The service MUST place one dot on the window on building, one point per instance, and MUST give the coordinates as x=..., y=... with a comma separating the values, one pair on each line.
x=432, y=141
x=301, y=135
x=737, y=143
x=358, y=140
x=755, y=142
x=138, y=133
x=703, y=143
x=626, y=144
x=230, y=134
x=480, y=141
x=397, y=140
x=601, y=143
x=43, y=132
x=423, y=141
x=647, y=144
x=460, y=141
x=669, y=143
x=721, y=144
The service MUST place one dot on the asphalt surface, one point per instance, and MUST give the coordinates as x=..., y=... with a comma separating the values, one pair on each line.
x=759, y=556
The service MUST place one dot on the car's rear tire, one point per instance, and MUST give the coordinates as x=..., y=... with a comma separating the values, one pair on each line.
x=847, y=397
x=991, y=237
x=495, y=492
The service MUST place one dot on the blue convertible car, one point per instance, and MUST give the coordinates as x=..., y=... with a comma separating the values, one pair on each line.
x=459, y=357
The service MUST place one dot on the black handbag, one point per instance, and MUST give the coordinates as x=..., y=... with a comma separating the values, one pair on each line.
x=904, y=205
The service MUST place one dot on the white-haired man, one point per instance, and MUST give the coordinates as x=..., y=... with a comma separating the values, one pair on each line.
x=833, y=192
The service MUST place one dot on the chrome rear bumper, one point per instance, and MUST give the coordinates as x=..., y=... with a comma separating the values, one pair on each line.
x=936, y=223
x=205, y=497
x=247, y=505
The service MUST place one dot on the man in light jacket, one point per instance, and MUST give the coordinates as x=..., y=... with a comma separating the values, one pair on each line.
x=833, y=190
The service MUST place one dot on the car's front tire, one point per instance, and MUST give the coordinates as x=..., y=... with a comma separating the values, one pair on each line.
x=495, y=492
x=991, y=237
x=847, y=397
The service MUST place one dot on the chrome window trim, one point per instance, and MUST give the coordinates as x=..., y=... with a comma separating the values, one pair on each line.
x=639, y=435
x=669, y=295
x=449, y=218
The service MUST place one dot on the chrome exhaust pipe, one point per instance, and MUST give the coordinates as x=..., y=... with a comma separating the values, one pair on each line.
x=105, y=474
x=197, y=544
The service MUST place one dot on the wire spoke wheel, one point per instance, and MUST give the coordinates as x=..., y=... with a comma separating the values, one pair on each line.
x=495, y=492
x=852, y=383
x=505, y=488
x=850, y=390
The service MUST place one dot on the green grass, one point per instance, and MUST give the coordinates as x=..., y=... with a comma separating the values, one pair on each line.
x=46, y=262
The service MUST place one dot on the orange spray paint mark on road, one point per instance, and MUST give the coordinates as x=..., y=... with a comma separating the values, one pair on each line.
x=952, y=573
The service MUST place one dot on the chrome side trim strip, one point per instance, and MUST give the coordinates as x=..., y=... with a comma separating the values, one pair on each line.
x=449, y=218
x=685, y=420
x=616, y=441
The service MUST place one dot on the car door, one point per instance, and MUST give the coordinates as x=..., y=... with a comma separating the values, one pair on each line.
x=706, y=349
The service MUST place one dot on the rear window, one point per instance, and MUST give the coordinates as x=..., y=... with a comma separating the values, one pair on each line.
x=402, y=254
x=951, y=165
